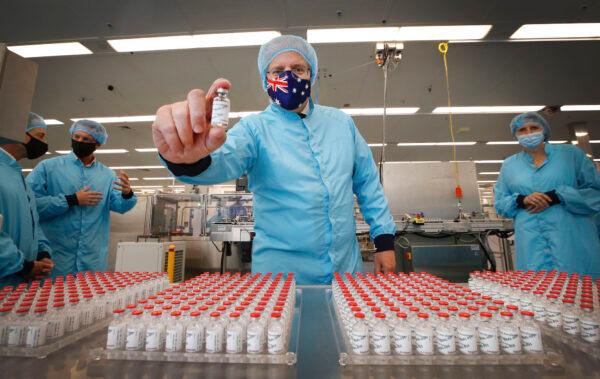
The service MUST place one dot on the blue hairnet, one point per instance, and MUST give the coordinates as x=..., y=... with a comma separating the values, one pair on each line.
x=93, y=128
x=529, y=118
x=35, y=121
x=281, y=44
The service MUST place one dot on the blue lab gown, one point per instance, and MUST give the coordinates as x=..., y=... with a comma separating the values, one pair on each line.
x=21, y=237
x=564, y=236
x=303, y=174
x=79, y=235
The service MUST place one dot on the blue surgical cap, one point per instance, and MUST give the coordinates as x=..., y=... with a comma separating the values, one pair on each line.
x=529, y=118
x=284, y=43
x=35, y=121
x=93, y=128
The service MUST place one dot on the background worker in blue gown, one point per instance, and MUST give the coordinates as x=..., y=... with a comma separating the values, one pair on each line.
x=304, y=163
x=553, y=194
x=75, y=195
x=24, y=250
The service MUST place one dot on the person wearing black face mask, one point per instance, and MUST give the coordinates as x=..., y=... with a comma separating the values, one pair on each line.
x=75, y=195
x=24, y=249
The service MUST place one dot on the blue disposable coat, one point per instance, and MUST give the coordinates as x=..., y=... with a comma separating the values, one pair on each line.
x=303, y=173
x=79, y=235
x=21, y=237
x=564, y=236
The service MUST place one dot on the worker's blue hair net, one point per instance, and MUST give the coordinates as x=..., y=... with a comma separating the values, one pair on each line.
x=35, y=121
x=93, y=128
x=281, y=44
x=529, y=118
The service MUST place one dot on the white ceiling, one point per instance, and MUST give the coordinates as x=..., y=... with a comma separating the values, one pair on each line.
x=494, y=72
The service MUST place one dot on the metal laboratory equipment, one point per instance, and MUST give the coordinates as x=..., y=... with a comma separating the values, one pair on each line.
x=230, y=221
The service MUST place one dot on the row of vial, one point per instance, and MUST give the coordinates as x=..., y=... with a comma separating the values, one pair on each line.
x=558, y=307
x=31, y=320
x=440, y=334
x=174, y=332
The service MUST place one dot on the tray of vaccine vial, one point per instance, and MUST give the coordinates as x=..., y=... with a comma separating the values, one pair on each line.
x=420, y=319
x=229, y=318
x=40, y=318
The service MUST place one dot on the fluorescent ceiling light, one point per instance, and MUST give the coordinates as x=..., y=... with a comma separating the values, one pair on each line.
x=486, y=181
x=488, y=109
x=405, y=33
x=109, y=120
x=581, y=134
x=489, y=173
x=489, y=161
x=27, y=169
x=147, y=150
x=51, y=121
x=99, y=151
x=160, y=178
x=502, y=143
x=558, y=31
x=135, y=167
x=377, y=144
x=111, y=151
x=352, y=35
x=443, y=33
x=557, y=142
x=133, y=179
x=436, y=143
x=379, y=111
x=575, y=108
x=50, y=49
x=197, y=41
x=142, y=187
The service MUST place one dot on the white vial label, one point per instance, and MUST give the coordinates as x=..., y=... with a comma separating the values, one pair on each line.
x=174, y=341
x=220, y=113
x=193, y=340
x=445, y=341
x=467, y=340
x=213, y=341
x=488, y=340
x=553, y=318
x=510, y=341
x=255, y=339
x=359, y=341
x=381, y=342
x=15, y=335
x=275, y=342
x=403, y=341
x=590, y=330
x=540, y=313
x=531, y=339
x=135, y=339
x=424, y=342
x=35, y=336
x=72, y=321
x=233, y=342
x=114, y=337
x=153, y=339
x=570, y=323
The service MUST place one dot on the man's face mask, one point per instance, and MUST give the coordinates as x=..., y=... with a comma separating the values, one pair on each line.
x=82, y=149
x=35, y=148
x=532, y=140
x=288, y=90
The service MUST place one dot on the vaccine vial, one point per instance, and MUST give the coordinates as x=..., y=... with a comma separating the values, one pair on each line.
x=220, y=109
x=359, y=335
x=402, y=336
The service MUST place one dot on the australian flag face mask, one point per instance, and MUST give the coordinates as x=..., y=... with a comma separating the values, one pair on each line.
x=288, y=90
